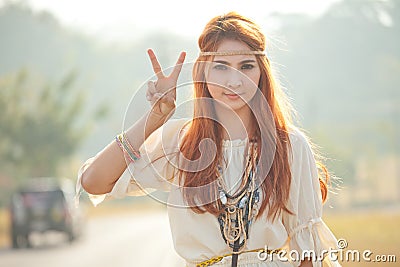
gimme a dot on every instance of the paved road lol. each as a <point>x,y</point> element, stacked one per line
<point>126,241</point>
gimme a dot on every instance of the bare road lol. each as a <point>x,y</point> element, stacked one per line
<point>123,241</point>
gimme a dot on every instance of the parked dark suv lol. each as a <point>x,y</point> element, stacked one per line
<point>44,204</point>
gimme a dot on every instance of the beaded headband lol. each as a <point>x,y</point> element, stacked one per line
<point>233,53</point>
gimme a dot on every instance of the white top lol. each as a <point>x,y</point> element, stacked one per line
<point>197,237</point>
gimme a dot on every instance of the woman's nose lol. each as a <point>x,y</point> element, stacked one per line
<point>235,79</point>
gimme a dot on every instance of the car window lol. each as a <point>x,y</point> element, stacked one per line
<point>42,199</point>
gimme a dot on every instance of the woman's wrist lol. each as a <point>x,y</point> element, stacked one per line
<point>143,128</point>
<point>154,121</point>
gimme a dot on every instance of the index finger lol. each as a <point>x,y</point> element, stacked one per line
<point>156,65</point>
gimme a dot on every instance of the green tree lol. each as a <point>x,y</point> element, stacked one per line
<point>40,125</point>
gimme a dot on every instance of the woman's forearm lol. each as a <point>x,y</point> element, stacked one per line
<point>101,175</point>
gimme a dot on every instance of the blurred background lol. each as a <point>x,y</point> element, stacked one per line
<point>69,68</point>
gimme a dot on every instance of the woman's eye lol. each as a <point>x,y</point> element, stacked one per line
<point>220,67</point>
<point>247,67</point>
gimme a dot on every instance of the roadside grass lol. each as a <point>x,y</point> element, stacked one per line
<point>375,231</point>
<point>4,226</point>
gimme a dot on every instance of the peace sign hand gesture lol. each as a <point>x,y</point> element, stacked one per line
<point>162,93</point>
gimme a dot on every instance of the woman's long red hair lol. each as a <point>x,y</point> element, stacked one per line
<point>267,129</point>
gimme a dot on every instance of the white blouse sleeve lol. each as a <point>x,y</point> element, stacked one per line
<point>306,229</point>
<point>155,170</point>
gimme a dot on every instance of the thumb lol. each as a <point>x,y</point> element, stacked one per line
<point>167,104</point>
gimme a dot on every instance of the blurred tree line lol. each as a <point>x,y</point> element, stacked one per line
<point>37,125</point>
<point>40,127</point>
<point>342,70</point>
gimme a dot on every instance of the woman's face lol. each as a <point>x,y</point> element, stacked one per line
<point>233,80</point>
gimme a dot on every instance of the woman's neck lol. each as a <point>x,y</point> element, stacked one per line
<point>236,124</point>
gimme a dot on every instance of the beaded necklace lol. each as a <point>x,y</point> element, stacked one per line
<point>239,210</point>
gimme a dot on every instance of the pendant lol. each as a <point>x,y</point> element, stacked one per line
<point>222,197</point>
<point>243,202</point>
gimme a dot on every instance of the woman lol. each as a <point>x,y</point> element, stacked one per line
<point>242,180</point>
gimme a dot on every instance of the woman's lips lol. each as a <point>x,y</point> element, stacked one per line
<point>232,96</point>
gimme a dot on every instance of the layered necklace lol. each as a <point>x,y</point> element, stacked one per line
<point>240,209</point>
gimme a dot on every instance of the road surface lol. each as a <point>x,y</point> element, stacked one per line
<point>123,241</point>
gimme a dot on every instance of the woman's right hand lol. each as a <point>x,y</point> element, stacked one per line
<point>162,93</point>
<point>109,164</point>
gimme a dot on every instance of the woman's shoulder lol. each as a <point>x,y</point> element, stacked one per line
<point>298,139</point>
<point>176,124</point>
<point>167,137</point>
<point>173,130</point>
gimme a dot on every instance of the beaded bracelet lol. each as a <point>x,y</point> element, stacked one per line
<point>127,151</point>
<point>136,153</point>
<point>127,148</point>
<point>126,155</point>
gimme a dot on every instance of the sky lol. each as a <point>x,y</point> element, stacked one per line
<point>122,19</point>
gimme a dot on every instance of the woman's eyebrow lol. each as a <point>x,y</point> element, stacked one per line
<point>241,62</point>
<point>247,61</point>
